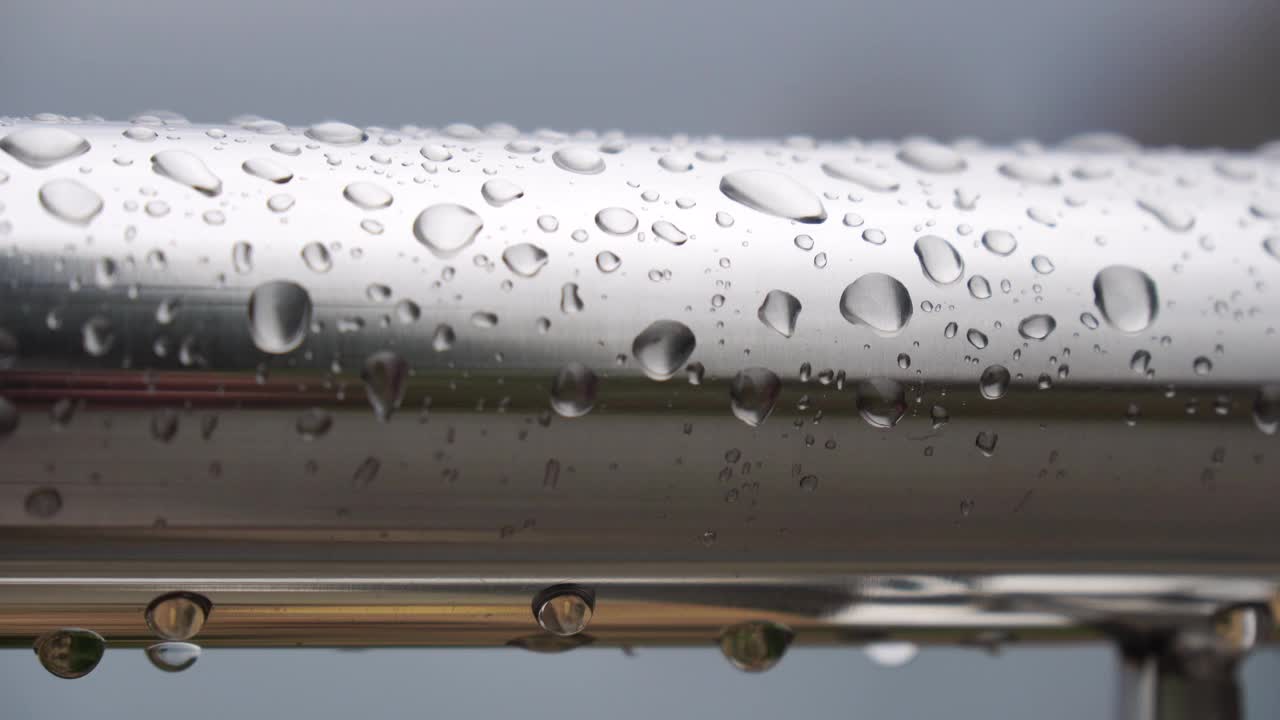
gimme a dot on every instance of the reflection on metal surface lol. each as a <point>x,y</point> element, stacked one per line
<point>370,386</point>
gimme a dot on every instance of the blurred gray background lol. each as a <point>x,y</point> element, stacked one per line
<point>1162,71</point>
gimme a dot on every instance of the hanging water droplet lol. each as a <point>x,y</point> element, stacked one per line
<point>42,147</point>
<point>267,169</point>
<point>939,260</point>
<point>367,195</point>
<point>1126,297</point>
<point>669,232</point>
<point>581,160</point>
<point>563,611</point>
<point>498,192</point>
<point>70,201</point>
<point>774,194</point>
<point>385,376</point>
<point>779,312</point>
<point>929,156</point>
<point>446,228</point>
<point>1000,242</point>
<point>994,382</point>
<point>617,221</point>
<point>891,653</point>
<point>70,653</point>
<point>861,174</point>
<point>1173,218</point>
<point>1037,327</point>
<point>336,133</point>
<point>663,348</point>
<point>881,402</point>
<point>752,395</point>
<point>178,615</point>
<point>755,646</point>
<point>279,314</point>
<point>186,169</point>
<point>525,259</point>
<point>878,301</point>
<point>573,391</point>
<point>173,656</point>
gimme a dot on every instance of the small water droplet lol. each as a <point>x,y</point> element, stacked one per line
<point>881,402</point>
<point>1202,365</point>
<point>98,335</point>
<point>774,194</point>
<point>446,228</point>
<point>891,653</point>
<point>173,656</point>
<point>779,312</point>
<point>186,169</point>
<point>316,256</point>
<point>994,382</point>
<point>577,159</point>
<point>267,169</point>
<point>573,391</point>
<point>861,174</point>
<point>1266,409</point>
<point>279,314</point>
<point>931,157</point>
<point>385,377</point>
<point>43,503</point>
<point>498,192</point>
<point>1126,297</point>
<point>755,646</point>
<point>570,300</point>
<point>1037,327</point>
<point>1173,218</point>
<point>617,221</point>
<point>878,301</point>
<point>1000,242</point>
<point>608,261</point>
<point>367,195</point>
<point>178,615</point>
<point>336,133</point>
<point>753,393</point>
<point>525,259</point>
<point>563,611</point>
<point>986,442</point>
<point>979,288</point>
<point>669,232</point>
<point>313,423</point>
<point>939,260</point>
<point>70,200</point>
<point>662,348</point>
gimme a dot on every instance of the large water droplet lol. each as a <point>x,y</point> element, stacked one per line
<point>617,221</point>
<point>773,193</point>
<point>779,312</point>
<point>994,382</point>
<point>881,402</point>
<point>187,169</point>
<point>573,391</point>
<point>70,652</point>
<point>563,611</point>
<point>336,133</point>
<point>70,200</point>
<point>1127,297</point>
<point>267,169</point>
<point>1037,327</point>
<point>861,174</point>
<point>498,192</point>
<point>755,646</point>
<point>525,259</point>
<point>279,313</point>
<point>385,376</point>
<point>367,195</point>
<point>42,147</point>
<point>878,301</point>
<point>447,228</point>
<point>581,160</point>
<point>663,348</point>
<point>931,157</point>
<point>178,615</point>
<point>173,656</point>
<point>752,395</point>
<point>939,260</point>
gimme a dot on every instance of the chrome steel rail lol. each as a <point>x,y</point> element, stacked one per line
<point>350,386</point>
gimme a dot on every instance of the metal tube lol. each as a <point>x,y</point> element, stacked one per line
<point>384,387</point>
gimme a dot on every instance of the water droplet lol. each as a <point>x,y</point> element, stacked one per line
<point>336,133</point>
<point>976,338</point>
<point>809,483</point>
<point>173,656</point>
<point>185,168</point>
<point>617,221</point>
<point>979,288</point>
<point>267,169</point>
<point>70,200</point>
<point>878,301</point>
<point>938,416</point>
<point>1000,242</point>
<point>570,300</point>
<point>164,425</point>
<point>861,174</point>
<point>242,257</point>
<point>939,260</point>
<point>98,335</point>
<point>994,382</point>
<point>929,156</point>
<point>525,259</point>
<point>42,503</point>
<point>773,193</point>
<point>279,313</point>
<point>313,423</point>
<point>675,162</point>
<point>385,377</point>
<point>986,442</point>
<point>1140,363</point>
<point>573,392</point>
<point>1042,264</point>
<point>1126,297</point>
<point>70,653</point>
<point>663,348</point>
<point>178,615</point>
<point>1266,409</point>
<point>890,653</point>
<point>755,646</point>
<point>779,312</point>
<point>1029,171</point>
<point>608,262</point>
<point>1037,327</point>
<point>563,610</point>
<point>1272,245</point>
<point>436,153</point>
<point>752,395</point>
<point>881,402</point>
<point>581,160</point>
<point>498,192</point>
<point>873,236</point>
<point>280,203</point>
<point>317,258</point>
<point>443,338</point>
<point>1173,218</point>
<point>42,147</point>
<point>669,232</point>
<point>1202,365</point>
<point>367,195</point>
<point>446,228</point>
